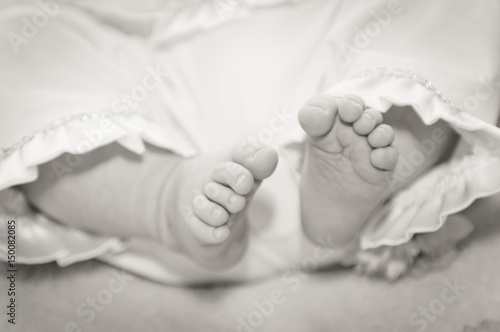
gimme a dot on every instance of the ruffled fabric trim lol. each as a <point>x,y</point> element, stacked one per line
<point>424,252</point>
<point>79,134</point>
<point>450,188</point>
<point>425,206</point>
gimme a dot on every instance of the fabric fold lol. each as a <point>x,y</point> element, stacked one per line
<point>446,189</point>
<point>38,240</point>
<point>78,135</point>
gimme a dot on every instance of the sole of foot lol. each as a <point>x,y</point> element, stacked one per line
<point>348,167</point>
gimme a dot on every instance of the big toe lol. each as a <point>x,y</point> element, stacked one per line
<point>261,162</point>
<point>317,115</point>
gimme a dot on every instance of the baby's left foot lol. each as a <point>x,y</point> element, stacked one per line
<point>208,218</point>
<point>347,169</point>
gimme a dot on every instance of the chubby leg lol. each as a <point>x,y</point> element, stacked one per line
<point>195,205</point>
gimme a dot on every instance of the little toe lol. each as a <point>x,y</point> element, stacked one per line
<point>381,136</point>
<point>385,158</point>
<point>350,108</point>
<point>318,114</point>
<point>368,121</point>
<point>201,231</point>
<point>225,197</point>
<point>209,212</point>
<point>235,176</point>
<point>261,162</point>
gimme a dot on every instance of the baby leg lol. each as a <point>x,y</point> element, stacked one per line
<point>350,167</point>
<point>196,205</point>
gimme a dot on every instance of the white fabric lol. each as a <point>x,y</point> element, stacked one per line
<point>251,65</point>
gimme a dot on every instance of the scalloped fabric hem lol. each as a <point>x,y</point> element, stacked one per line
<point>447,189</point>
<point>81,135</point>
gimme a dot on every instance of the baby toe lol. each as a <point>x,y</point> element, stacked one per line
<point>385,158</point>
<point>209,212</point>
<point>350,108</point>
<point>225,197</point>
<point>201,231</point>
<point>318,114</point>
<point>260,162</point>
<point>381,136</point>
<point>368,121</point>
<point>235,176</point>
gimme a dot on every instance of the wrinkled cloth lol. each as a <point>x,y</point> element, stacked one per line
<point>196,76</point>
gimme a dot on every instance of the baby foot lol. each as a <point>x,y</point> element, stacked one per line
<point>347,169</point>
<point>209,222</point>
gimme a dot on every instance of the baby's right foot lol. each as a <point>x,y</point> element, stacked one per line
<point>347,168</point>
<point>208,220</point>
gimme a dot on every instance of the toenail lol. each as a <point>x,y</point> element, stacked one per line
<point>216,212</point>
<point>200,202</point>
<point>354,103</point>
<point>233,199</point>
<point>224,176</point>
<point>368,116</point>
<point>212,189</point>
<point>231,167</point>
<point>218,232</point>
<point>240,179</point>
<point>383,129</point>
<point>247,147</point>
